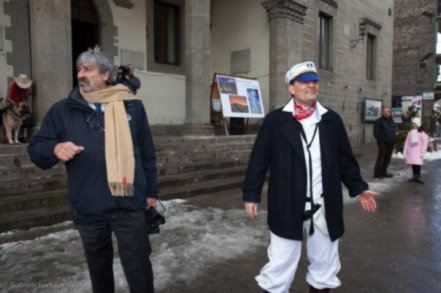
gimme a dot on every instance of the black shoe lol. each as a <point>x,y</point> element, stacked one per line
<point>388,175</point>
<point>378,177</point>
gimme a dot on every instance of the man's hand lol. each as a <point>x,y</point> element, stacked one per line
<point>66,151</point>
<point>251,209</point>
<point>151,202</point>
<point>367,200</point>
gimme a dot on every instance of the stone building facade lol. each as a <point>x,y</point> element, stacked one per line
<point>414,70</point>
<point>350,41</point>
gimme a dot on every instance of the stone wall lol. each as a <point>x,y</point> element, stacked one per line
<point>345,86</point>
<point>414,45</point>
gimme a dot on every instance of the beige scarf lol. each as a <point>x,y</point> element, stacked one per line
<point>120,161</point>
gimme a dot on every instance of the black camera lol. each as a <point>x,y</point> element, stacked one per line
<point>124,69</point>
<point>309,213</point>
<point>153,219</point>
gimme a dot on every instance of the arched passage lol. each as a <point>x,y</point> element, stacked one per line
<point>85,29</point>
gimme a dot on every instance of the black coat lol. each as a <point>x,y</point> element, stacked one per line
<point>384,130</point>
<point>72,119</point>
<point>279,147</point>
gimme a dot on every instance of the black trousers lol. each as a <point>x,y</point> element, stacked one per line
<point>134,249</point>
<point>416,169</point>
<point>385,151</point>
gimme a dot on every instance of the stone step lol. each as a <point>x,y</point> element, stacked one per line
<point>43,216</point>
<point>209,187</point>
<point>188,179</point>
<point>13,149</point>
<point>174,141</point>
<point>180,168</point>
<point>173,158</point>
<point>14,161</point>
<point>35,232</point>
<point>34,218</point>
<point>30,172</point>
<point>32,201</point>
<point>31,185</point>
<point>202,148</point>
<point>30,197</point>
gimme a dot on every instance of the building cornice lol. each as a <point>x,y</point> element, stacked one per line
<point>331,3</point>
<point>372,23</point>
<point>285,9</point>
<point>124,3</point>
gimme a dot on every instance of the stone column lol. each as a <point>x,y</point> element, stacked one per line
<point>51,47</point>
<point>286,45</point>
<point>197,69</point>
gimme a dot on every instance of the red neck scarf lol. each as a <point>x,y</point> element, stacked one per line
<point>302,113</point>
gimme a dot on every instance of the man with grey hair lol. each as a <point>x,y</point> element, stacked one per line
<point>102,134</point>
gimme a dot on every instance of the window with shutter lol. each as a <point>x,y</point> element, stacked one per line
<point>324,41</point>
<point>370,60</point>
<point>166,36</point>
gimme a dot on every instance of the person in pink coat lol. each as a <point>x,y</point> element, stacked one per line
<point>415,148</point>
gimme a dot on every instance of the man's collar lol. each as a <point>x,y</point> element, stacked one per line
<point>319,110</point>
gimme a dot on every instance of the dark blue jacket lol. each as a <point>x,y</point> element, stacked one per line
<point>278,146</point>
<point>72,119</point>
<point>134,84</point>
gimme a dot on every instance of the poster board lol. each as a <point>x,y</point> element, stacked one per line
<point>407,101</point>
<point>372,109</point>
<point>239,96</point>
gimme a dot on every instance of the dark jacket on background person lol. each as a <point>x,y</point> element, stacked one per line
<point>72,119</point>
<point>384,130</point>
<point>279,147</point>
<point>134,84</point>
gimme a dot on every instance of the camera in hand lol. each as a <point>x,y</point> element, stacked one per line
<point>153,219</point>
<point>124,69</point>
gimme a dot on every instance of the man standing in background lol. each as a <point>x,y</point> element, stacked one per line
<point>384,133</point>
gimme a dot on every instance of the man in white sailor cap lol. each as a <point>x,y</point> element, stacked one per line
<point>306,148</point>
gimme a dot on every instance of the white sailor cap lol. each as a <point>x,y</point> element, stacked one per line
<point>302,72</point>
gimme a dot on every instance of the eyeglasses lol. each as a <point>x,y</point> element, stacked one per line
<point>95,124</point>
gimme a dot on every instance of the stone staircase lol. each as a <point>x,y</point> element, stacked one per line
<point>30,197</point>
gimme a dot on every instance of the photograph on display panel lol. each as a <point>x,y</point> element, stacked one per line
<point>240,97</point>
<point>372,110</point>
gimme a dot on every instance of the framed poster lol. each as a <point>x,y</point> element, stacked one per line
<point>372,110</point>
<point>240,97</point>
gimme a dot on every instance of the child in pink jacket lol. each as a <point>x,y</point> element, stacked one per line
<point>415,149</point>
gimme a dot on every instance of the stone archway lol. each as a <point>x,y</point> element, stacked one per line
<point>85,29</point>
<point>92,24</point>
<point>51,43</point>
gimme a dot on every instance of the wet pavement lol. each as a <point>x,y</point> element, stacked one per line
<point>209,246</point>
<point>395,250</point>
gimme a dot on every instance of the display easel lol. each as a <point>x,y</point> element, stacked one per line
<point>218,116</point>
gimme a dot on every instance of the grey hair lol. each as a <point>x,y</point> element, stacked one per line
<point>96,57</point>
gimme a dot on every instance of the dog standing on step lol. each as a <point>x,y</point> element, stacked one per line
<point>13,117</point>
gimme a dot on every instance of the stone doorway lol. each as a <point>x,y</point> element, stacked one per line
<point>85,30</point>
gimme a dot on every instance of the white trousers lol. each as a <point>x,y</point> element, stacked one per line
<point>284,254</point>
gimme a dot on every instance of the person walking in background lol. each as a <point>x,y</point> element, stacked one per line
<point>102,134</point>
<point>308,152</point>
<point>415,148</point>
<point>384,133</point>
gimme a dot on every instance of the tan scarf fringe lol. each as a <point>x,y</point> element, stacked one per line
<point>120,160</point>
